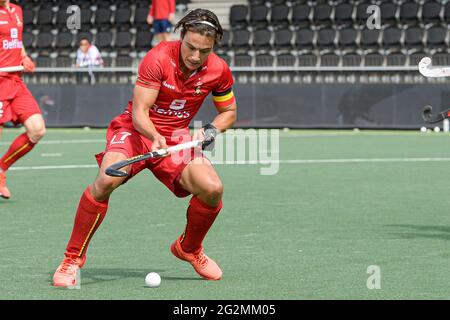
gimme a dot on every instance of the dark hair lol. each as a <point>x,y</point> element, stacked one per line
<point>85,38</point>
<point>201,21</point>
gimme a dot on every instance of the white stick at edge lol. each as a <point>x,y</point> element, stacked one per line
<point>182,146</point>
<point>428,71</point>
<point>11,69</point>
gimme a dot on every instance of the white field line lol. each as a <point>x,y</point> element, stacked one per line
<point>51,154</point>
<point>63,141</point>
<point>262,162</point>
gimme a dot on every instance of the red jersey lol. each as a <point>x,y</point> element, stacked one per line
<point>180,99</point>
<point>11,27</point>
<point>160,9</point>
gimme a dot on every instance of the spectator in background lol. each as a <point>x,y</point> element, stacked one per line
<point>88,55</point>
<point>161,15</point>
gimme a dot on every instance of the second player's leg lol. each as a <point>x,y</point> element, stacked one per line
<point>35,127</point>
<point>90,213</point>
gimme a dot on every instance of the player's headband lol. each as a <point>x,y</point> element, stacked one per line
<point>203,22</point>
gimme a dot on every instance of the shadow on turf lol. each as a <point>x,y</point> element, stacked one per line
<point>99,275</point>
<point>410,231</point>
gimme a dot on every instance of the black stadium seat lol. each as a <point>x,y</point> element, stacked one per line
<point>326,38</point>
<point>431,12</point>
<point>63,42</point>
<point>238,16</point>
<point>261,39</point>
<point>28,16</point>
<point>409,13</point>
<point>140,18</point>
<point>264,60</point>
<point>28,39</point>
<point>123,42</point>
<point>122,18</point>
<point>301,15</point>
<point>103,40</point>
<point>258,16</point>
<point>286,60</point>
<point>44,40</point>
<point>44,19</point>
<point>241,40</point>
<point>347,39</point>
<point>343,15</point>
<point>388,13</point>
<point>361,14</point>
<point>143,40</point>
<point>224,44</point>
<point>373,59</point>
<point>396,59</point>
<point>436,38</point>
<point>307,60</point>
<point>391,38</point>
<point>64,62</point>
<point>369,39</point>
<point>351,59</point>
<point>279,15</point>
<point>414,38</point>
<point>103,18</point>
<point>322,14</point>
<point>447,13</point>
<point>304,39</point>
<point>242,60</point>
<point>283,40</point>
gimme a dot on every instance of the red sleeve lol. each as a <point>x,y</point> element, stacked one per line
<point>226,79</point>
<point>150,71</point>
<point>172,6</point>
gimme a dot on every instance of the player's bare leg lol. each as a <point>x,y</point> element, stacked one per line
<point>35,127</point>
<point>200,179</point>
<point>90,213</point>
<point>35,130</point>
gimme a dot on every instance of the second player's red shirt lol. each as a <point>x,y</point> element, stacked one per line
<point>179,100</point>
<point>160,9</point>
<point>11,27</point>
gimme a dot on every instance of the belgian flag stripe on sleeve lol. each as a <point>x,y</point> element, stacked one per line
<point>223,99</point>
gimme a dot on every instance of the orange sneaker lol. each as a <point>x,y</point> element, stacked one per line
<point>68,273</point>
<point>206,267</point>
<point>4,192</point>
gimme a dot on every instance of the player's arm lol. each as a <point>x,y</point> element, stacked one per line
<point>171,10</point>
<point>150,15</point>
<point>27,63</point>
<point>227,114</point>
<point>143,100</point>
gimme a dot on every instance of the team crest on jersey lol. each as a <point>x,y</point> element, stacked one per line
<point>198,89</point>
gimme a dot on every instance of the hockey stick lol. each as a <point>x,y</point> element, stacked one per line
<point>434,118</point>
<point>427,70</point>
<point>12,69</point>
<point>114,169</point>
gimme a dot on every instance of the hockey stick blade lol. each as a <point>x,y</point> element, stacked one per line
<point>429,117</point>
<point>427,70</point>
